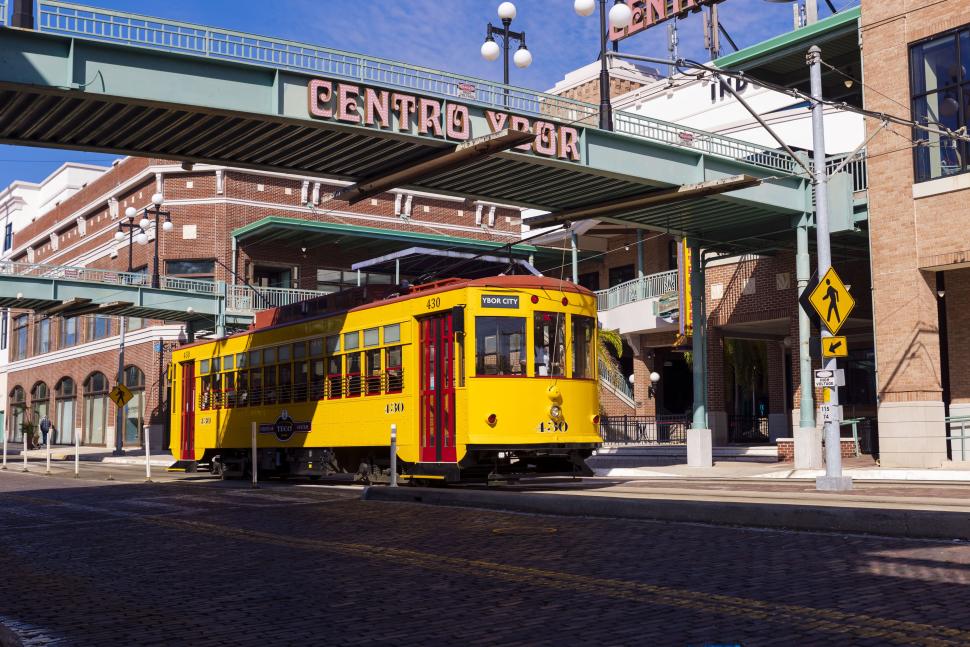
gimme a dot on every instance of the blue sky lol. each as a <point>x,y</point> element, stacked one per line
<point>443,34</point>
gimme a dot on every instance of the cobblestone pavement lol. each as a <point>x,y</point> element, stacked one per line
<point>203,562</point>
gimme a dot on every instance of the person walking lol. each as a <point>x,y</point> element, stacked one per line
<point>45,428</point>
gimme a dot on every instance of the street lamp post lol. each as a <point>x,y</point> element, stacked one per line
<point>490,49</point>
<point>619,17</point>
<point>156,211</point>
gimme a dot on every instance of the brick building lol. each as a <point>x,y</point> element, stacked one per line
<point>273,231</point>
<point>916,59</point>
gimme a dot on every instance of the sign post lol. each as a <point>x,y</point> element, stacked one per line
<point>393,455</point>
<point>255,431</point>
<point>4,431</point>
<point>833,313</point>
<point>47,471</point>
<point>77,454</point>
<point>148,456</point>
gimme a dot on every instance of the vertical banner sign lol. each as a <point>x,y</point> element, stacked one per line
<point>683,279</point>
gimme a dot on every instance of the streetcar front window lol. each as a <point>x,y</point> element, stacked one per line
<point>583,330</point>
<point>550,344</point>
<point>500,346</point>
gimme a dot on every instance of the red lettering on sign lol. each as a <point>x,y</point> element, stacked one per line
<point>458,125</point>
<point>404,105</point>
<point>377,108</point>
<point>429,118</point>
<point>496,120</point>
<point>569,143</point>
<point>347,103</point>
<point>545,141</point>
<point>320,93</point>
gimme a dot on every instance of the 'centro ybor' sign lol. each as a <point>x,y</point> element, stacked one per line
<point>647,13</point>
<point>408,113</point>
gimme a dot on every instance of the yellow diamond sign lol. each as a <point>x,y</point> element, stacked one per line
<point>832,301</point>
<point>120,395</point>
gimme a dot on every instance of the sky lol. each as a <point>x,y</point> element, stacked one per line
<point>441,34</point>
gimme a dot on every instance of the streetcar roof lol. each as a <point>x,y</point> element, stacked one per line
<point>521,282</point>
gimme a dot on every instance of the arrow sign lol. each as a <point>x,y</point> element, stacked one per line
<point>835,347</point>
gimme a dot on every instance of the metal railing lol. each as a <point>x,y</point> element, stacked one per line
<point>77,20</point>
<point>648,287</point>
<point>615,379</point>
<point>238,297</point>
<point>962,425</point>
<point>644,430</point>
<point>747,429</point>
<point>80,21</point>
<point>3,13</point>
<point>700,140</point>
<point>857,168</point>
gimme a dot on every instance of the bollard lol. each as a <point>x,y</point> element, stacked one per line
<point>148,456</point>
<point>77,454</point>
<point>4,466</point>
<point>255,428</point>
<point>393,455</point>
<point>48,470</point>
<point>25,453</point>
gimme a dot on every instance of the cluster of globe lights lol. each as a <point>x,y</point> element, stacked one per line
<point>142,236</point>
<point>490,49</point>
<point>620,13</point>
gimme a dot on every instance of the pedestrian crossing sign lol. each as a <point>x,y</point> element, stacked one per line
<point>832,301</point>
<point>120,395</point>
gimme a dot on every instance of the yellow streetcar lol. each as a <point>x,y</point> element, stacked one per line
<point>483,378</point>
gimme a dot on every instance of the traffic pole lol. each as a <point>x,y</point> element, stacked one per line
<point>833,479</point>
<point>393,455</point>
<point>255,430</point>
<point>148,456</point>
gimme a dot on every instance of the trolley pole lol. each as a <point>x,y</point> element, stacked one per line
<point>255,430</point>
<point>393,455</point>
<point>148,456</point>
<point>833,479</point>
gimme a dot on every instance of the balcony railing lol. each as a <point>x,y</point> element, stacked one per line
<point>80,21</point>
<point>615,379</point>
<point>3,13</point>
<point>648,287</point>
<point>856,168</point>
<point>242,297</point>
<point>644,430</point>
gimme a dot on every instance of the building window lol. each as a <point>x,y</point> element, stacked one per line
<point>42,337</point>
<point>64,399</point>
<point>4,317</point>
<point>95,408</point>
<point>672,253</point>
<point>68,332</point>
<point>203,270</point>
<point>590,280</point>
<point>8,236</point>
<point>940,87</point>
<point>99,327</point>
<point>18,413</point>
<point>40,400</point>
<point>20,337</point>
<point>622,274</point>
<point>335,280</point>
<point>135,409</point>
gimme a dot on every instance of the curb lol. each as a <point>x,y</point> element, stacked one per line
<point>922,524</point>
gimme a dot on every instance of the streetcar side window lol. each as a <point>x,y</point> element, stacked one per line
<point>353,375</point>
<point>584,329</point>
<point>255,386</point>
<point>500,346</point>
<point>300,381</point>
<point>372,337</point>
<point>299,350</point>
<point>205,393</point>
<point>269,382</point>
<point>372,363</point>
<point>550,343</point>
<point>334,377</point>
<point>316,347</point>
<point>351,340</point>
<point>285,382</point>
<point>242,388</point>
<point>395,372</point>
<point>229,389</point>
<point>392,333</point>
<point>333,344</point>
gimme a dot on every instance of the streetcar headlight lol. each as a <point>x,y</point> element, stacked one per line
<point>555,411</point>
<point>596,419</point>
<point>491,420</point>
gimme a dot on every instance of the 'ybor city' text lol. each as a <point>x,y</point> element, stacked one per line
<point>408,113</point>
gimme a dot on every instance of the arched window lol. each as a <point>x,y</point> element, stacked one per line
<point>135,409</point>
<point>95,408</point>
<point>40,403</point>
<point>65,394</point>
<point>18,413</point>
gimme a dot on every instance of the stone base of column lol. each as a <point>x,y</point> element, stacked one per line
<point>777,426</point>
<point>808,448</point>
<point>700,451</point>
<point>833,483</point>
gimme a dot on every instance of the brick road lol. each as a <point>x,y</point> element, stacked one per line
<point>211,563</point>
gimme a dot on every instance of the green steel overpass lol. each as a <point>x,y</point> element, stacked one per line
<point>93,79</point>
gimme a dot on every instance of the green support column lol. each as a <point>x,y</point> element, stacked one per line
<point>699,338</point>
<point>803,271</point>
<point>222,297</point>
<point>574,243</point>
<point>640,273</point>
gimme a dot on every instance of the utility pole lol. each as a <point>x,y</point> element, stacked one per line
<point>833,479</point>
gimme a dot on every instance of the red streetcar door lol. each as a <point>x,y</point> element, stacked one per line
<point>438,389</point>
<point>188,411</point>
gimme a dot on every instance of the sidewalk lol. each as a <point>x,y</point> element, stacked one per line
<point>161,458</point>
